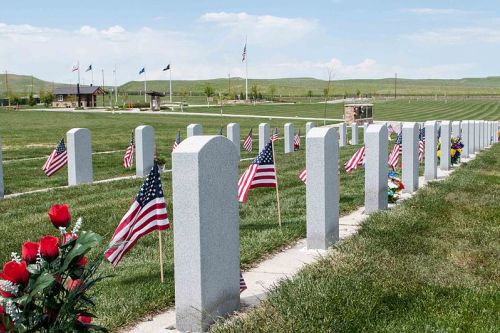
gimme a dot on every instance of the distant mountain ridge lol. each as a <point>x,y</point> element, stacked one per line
<point>21,85</point>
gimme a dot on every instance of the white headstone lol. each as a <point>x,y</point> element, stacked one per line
<point>354,134</point>
<point>455,129</point>
<point>445,158</point>
<point>194,129</point>
<point>477,136</point>
<point>322,190</point>
<point>482,135</point>
<point>410,161</point>
<point>472,136</point>
<point>309,125</point>
<point>430,171</point>
<point>365,128</point>
<point>233,134</point>
<point>465,138</point>
<point>206,233</point>
<point>376,156</point>
<point>264,135</point>
<point>342,134</point>
<point>289,133</point>
<point>495,131</point>
<point>144,150</point>
<point>79,150</point>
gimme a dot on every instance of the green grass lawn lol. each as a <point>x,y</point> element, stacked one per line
<point>429,265</point>
<point>135,291</point>
<point>401,110</point>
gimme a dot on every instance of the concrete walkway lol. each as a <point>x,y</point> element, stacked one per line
<point>261,279</point>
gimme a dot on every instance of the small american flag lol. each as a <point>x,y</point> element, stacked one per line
<point>396,151</point>
<point>128,158</point>
<point>220,131</point>
<point>356,160</point>
<point>275,135</point>
<point>296,141</point>
<point>177,141</point>
<point>303,176</point>
<point>243,285</point>
<point>248,142</point>
<point>261,173</point>
<point>244,55</point>
<point>421,144</point>
<point>147,213</point>
<point>57,159</point>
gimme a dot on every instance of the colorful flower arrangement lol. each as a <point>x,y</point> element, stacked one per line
<point>45,289</point>
<point>455,150</point>
<point>394,186</point>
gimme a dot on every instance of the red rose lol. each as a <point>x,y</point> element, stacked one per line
<point>84,319</point>
<point>59,215</point>
<point>15,272</point>
<point>29,252</point>
<point>49,247</point>
<point>82,262</point>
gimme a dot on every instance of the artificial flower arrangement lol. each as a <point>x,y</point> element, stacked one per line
<point>455,150</point>
<point>45,289</point>
<point>394,186</point>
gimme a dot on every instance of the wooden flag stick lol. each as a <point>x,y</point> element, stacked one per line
<point>277,189</point>
<point>161,256</point>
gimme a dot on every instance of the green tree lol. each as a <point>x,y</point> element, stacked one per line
<point>358,93</point>
<point>272,91</point>
<point>209,91</point>
<point>255,91</point>
<point>46,98</point>
<point>310,95</point>
<point>31,100</point>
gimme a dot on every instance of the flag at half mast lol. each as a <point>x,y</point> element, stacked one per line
<point>147,213</point>
<point>261,173</point>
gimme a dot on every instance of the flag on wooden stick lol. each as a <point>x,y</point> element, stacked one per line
<point>397,149</point>
<point>356,160</point>
<point>303,176</point>
<point>147,213</point>
<point>177,141</point>
<point>243,285</point>
<point>275,135</point>
<point>57,159</point>
<point>296,141</point>
<point>248,142</point>
<point>128,158</point>
<point>421,144</point>
<point>261,173</point>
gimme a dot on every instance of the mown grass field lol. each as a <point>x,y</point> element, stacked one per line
<point>429,265</point>
<point>401,110</point>
<point>135,291</point>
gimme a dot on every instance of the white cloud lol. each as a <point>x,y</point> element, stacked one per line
<point>263,30</point>
<point>455,36</point>
<point>437,11</point>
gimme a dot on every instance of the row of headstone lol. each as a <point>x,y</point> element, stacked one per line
<point>205,175</point>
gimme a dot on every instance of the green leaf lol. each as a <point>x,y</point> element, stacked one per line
<point>86,241</point>
<point>42,282</point>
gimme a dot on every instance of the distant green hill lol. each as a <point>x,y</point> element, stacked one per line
<point>301,86</point>
<point>21,85</point>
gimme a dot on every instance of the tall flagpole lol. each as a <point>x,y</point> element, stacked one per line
<point>277,189</point>
<point>116,87</point>
<point>145,86</point>
<point>246,69</point>
<point>92,74</point>
<point>170,73</point>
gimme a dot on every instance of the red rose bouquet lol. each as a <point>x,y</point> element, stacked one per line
<point>45,289</point>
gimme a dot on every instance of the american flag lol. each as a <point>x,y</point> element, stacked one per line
<point>421,144</point>
<point>177,141</point>
<point>147,213</point>
<point>128,158</point>
<point>220,131</point>
<point>243,285</point>
<point>303,176</point>
<point>275,135</point>
<point>296,141</point>
<point>396,151</point>
<point>248,142</point>
<point>244,55</point>
<point>356,160</point>
<point>57,159</point>
<point>261,173</point>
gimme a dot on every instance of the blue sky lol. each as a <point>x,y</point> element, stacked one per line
<point>204,39</point>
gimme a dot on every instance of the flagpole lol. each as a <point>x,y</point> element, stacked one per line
<point>161,256</point>
<point>277,189</point>
<point>92,74</point>
<point>145,86</point>
<point>170,73</point>
<point>246,70</point>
